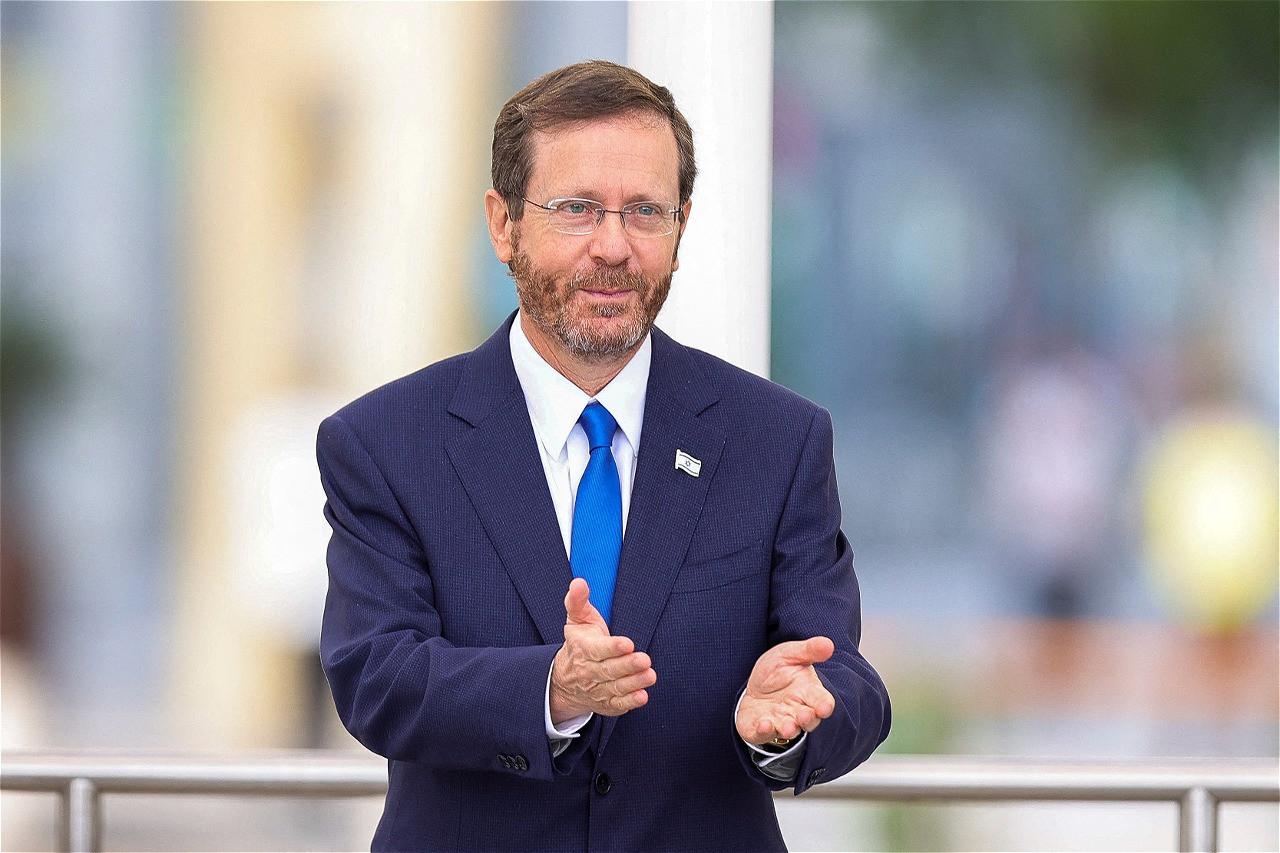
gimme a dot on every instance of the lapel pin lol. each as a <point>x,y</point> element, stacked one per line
<point>687,464</point>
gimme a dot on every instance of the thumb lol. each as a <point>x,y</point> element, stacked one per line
<point>810,651</point>
<point>578,607</point>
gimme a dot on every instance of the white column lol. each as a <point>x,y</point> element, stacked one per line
<point>717,59</point>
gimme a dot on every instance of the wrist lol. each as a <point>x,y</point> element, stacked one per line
<point>769,751</point>
<point>562,710</point>
<point>561,707</point>
<point>779,744</point>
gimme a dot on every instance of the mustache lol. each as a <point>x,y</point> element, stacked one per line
<point>609,278</point>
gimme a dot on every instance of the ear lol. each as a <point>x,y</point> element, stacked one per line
<point>684,221</point>
<point>500,225</point>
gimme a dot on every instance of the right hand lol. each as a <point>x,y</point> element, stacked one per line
<point>594,671</point>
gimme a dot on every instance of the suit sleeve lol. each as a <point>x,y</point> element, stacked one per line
<point>399,687</point>
<point>814,592</point>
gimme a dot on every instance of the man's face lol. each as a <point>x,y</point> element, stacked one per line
<point>593,295</point>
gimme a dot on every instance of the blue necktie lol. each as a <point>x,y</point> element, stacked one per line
<point>596,538</point>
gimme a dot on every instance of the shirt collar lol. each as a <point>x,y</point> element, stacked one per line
<point>555,403</point>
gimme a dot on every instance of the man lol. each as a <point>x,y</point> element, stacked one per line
<point>588,589</point>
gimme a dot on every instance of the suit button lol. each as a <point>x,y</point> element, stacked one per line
<point>521,763</point>
<point>816,775</point>
<point>504,760</point>
<point>602,783</point>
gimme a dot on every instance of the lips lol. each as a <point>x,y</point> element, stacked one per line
<point>604,294</point>
<point>609,283</point>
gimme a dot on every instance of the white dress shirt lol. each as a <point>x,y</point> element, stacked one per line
<point>555,404</point>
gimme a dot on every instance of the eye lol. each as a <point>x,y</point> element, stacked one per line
<point>575,208</point>
<point>645,209</point>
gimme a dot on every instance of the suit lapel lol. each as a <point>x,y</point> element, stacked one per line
<point>500,468</point>
<point>665,502</point>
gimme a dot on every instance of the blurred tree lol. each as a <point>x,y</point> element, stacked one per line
<point>1191,82</point>
<point>31,365</point>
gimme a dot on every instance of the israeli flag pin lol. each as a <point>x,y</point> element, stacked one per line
<point>687,464</point>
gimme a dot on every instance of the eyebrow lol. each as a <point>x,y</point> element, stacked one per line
<point>632,199</point>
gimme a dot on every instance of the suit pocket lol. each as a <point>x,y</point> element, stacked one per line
<point>709,572</point>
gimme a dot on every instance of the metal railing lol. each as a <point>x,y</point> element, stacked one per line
<point>1197,787</point>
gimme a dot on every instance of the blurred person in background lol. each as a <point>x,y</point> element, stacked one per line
<point>538,680</point>
<point>1053,442</point>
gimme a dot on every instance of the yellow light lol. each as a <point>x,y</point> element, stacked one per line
<point>1213,520</point>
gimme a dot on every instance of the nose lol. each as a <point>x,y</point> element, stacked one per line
<point>610,243</point>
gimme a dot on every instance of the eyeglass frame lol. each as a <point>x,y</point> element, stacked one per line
<point>673,213</point>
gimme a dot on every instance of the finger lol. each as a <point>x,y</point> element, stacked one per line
<point>577,598</point>
<point>621,704</point>
<point>626,664</point>
<point>825,705</point>
<point>770,726</point>
<point>779,726</point>
<point>788,654</point>
<point>578,607</point>
<point>806,652</point>
<point>755,728</point>
<point>805,705</point>
<point>817,699</point>
<point>590,643</point>
<point>821,649</point>
<point>786,717</point>
<point>633,683</point>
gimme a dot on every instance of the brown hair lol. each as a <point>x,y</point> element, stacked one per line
<point>589,90</point>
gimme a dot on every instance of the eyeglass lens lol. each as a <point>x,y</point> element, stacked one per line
<point>582,216</point>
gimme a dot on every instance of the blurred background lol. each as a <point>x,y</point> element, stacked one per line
<point>1026,254</point>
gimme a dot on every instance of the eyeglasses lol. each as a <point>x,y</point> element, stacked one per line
<point>583,216</point>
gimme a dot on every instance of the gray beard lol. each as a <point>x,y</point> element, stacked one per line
<point>585,342</point>
<point>538,297</point>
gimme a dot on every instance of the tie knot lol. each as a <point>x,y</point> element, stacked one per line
<point>598,424</point>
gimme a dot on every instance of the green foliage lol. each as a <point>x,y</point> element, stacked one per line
<point>924,723</point>
<point>31,362</point>
<point>1190,81</point>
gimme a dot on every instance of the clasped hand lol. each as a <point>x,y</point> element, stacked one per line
<point>596,672</point>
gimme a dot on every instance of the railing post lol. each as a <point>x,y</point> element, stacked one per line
<point>80,819</point>
<point>1198,822</point>
<point>81,780</point>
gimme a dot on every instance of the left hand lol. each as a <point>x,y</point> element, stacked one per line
<point>784,695</point>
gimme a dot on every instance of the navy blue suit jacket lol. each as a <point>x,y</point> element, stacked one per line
<point>447,581</point>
